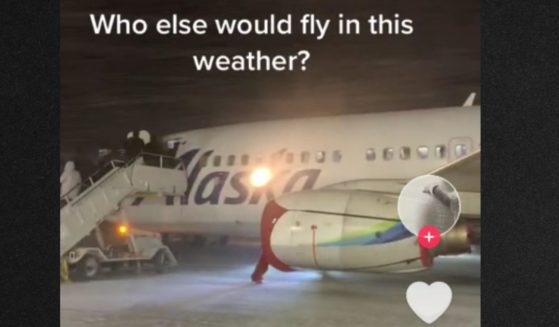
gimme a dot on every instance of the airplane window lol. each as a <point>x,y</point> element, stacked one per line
<point>217,161</point>
<point>320,156</point>
<point>305,156</point>
<point>440,151</point>
<point>337,156</point>
<point>289,157</point>
<point>405,152</point>
<point>371,155</point>
<point>275,157</point>
<point>204,161</point>
<point>388,154</point>
<point>231,160</point>
<point>460,150</point>
<point>422,151</point>
<point>244,159</point>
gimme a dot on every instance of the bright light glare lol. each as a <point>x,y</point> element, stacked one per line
<point>122,229</point>
<point>260,177</point>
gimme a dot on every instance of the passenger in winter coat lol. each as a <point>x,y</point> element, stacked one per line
<point>68,180</point>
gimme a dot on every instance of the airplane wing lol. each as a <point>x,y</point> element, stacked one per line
<point>463,173</point>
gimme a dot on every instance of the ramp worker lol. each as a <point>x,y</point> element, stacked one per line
<point>260,270</point>
<point>64,275</point>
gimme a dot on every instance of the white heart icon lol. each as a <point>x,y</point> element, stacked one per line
<point>429,302</point>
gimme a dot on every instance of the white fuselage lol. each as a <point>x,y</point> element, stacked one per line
<point>221,201</point>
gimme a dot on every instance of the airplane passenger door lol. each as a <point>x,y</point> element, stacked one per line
<point>459,147</point>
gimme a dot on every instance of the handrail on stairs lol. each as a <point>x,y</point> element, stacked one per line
<point>111,167</point>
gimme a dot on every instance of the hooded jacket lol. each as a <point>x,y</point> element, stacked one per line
<point>69,179</point>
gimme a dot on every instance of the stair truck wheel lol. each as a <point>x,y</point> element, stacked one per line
<point>88,268</point>
<point>159,261</point>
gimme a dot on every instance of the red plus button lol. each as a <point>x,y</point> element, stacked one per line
<point>429,237</point>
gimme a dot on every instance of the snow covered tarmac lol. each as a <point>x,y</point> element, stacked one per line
<point>212,288</point>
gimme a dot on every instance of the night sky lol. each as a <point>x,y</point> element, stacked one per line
<point>113,84</point>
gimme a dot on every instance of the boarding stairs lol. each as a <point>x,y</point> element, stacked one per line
<point>101,194</point>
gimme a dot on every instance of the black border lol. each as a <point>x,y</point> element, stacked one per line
<point>29,94</point>
<point>520,168</point>
<point>520,163</point>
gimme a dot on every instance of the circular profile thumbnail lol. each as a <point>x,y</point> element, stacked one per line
<point>429,200</point>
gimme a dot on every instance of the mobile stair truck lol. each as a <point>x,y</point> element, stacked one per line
<point>89,242</point>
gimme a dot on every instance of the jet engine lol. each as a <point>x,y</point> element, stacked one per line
<point>346,230</point>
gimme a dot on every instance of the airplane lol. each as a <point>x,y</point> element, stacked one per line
<point>321,193</point>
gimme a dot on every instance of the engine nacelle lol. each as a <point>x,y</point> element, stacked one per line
<point>339,230</point>
<point>455,241</point>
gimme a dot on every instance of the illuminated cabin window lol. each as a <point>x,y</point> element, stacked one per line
<point>320,156</point>
<point>405,152</point>
<point>422,152</point>
<point>231,160</point>
<point>371,154</point>
<point>460,150</point>
<point>337,156</point>
<point>305,156</point>
<point>217,161</point>
<point>289,157</point>
<point>388,154</point>
<point>440,151</point>
<point>244,159</point>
